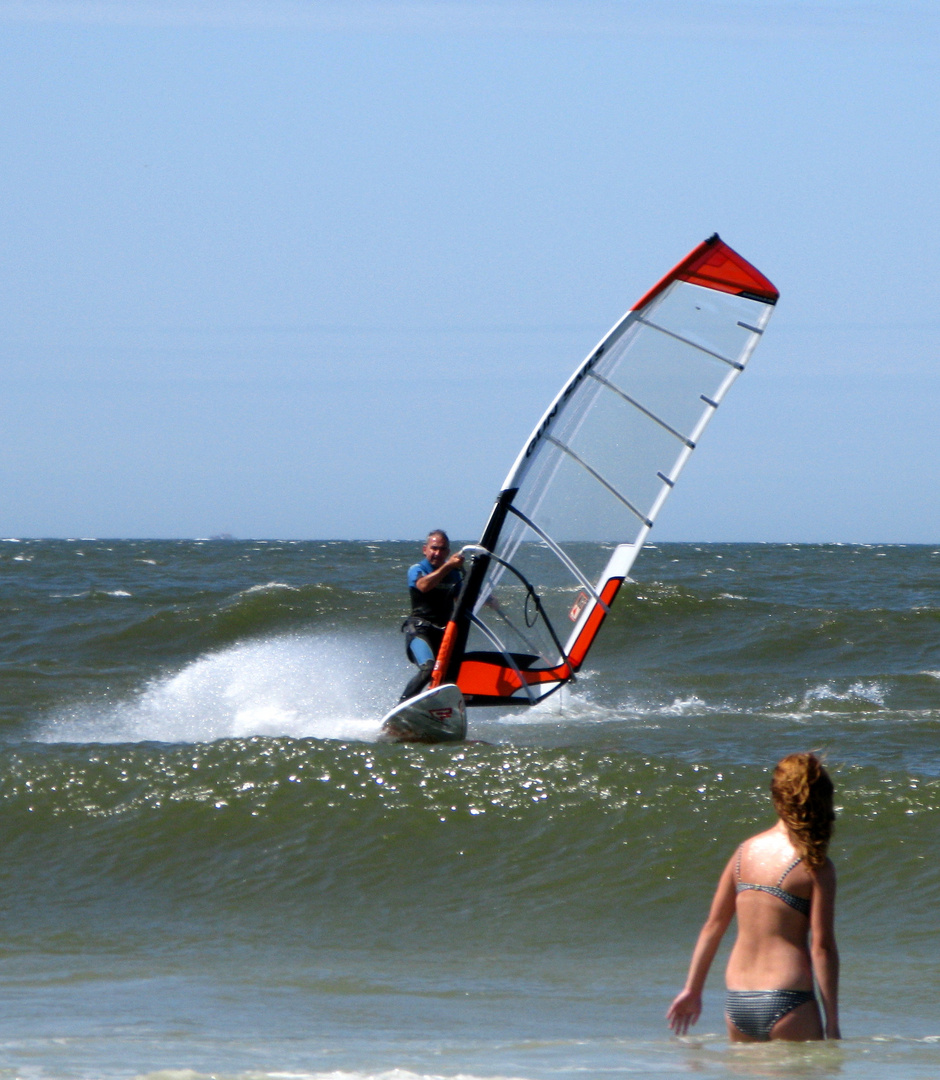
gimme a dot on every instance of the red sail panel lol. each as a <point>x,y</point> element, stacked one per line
<point>585,639</point>
<point>478,679</point>
<point>714,265</point>
<point>497,680</point>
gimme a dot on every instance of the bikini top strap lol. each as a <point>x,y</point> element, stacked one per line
<point>737,864</point>
<point>796,862</point>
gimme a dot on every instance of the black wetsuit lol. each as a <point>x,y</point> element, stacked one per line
<point>430,613</point>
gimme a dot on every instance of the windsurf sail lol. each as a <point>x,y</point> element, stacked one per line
<point>586,488</point>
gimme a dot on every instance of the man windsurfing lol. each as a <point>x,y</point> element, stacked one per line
<point>433,585</point>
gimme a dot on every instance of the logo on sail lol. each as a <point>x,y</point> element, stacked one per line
<point>578,606</point>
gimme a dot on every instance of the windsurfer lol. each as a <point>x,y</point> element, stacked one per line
<point>433,584</point>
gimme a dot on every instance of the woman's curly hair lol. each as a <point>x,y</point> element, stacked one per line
<point>802,794</point>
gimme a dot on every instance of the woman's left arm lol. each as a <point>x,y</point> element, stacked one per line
<point>823,948</point>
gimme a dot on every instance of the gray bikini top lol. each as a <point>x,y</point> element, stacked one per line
<point>798,903</point>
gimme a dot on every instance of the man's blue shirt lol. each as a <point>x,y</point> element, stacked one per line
<point>424,567</point>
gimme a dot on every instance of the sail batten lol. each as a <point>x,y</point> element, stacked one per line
<point>586,488</point>
<point>693,344</point>
<point>648,412</point>
<point>600,479</point>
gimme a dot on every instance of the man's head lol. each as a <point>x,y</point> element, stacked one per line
<point>436,548</point>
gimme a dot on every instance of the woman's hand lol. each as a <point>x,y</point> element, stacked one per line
<point>687,1007</point>
<point>684,1011</point>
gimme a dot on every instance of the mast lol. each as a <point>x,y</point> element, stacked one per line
<point>454,643</point>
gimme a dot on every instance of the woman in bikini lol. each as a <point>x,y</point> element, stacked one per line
<point>782,887</point>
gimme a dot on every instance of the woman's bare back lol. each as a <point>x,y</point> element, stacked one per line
<point>774,889</point>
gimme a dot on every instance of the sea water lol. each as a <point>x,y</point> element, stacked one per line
<point>210,868</point>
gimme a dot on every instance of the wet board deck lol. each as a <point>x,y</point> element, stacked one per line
<point>435,715</point>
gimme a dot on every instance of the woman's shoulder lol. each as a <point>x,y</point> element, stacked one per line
<point>767,852</point>
<point>762,841</point>
<point>824,873</point>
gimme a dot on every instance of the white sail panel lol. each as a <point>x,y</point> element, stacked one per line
<point>587,486</point>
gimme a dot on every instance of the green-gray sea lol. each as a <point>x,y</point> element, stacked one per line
<point>210,868</point>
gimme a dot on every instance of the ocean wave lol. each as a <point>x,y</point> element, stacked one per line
<point>868,693</point>
<point>270,586</point>
<point>304,685</point>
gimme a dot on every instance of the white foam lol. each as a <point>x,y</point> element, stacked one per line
<point>271,586</point>
<point>574,705</point>
<point>302,685</point>
<point>859,691</point>
<point>339,1074</point>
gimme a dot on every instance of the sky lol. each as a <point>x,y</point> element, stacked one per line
<point>309,270</point>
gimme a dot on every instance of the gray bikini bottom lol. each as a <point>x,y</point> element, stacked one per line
<point>754,1012</point>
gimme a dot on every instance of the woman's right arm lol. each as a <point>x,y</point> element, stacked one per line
<point>823,949</point>
<point>687,1006</point>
